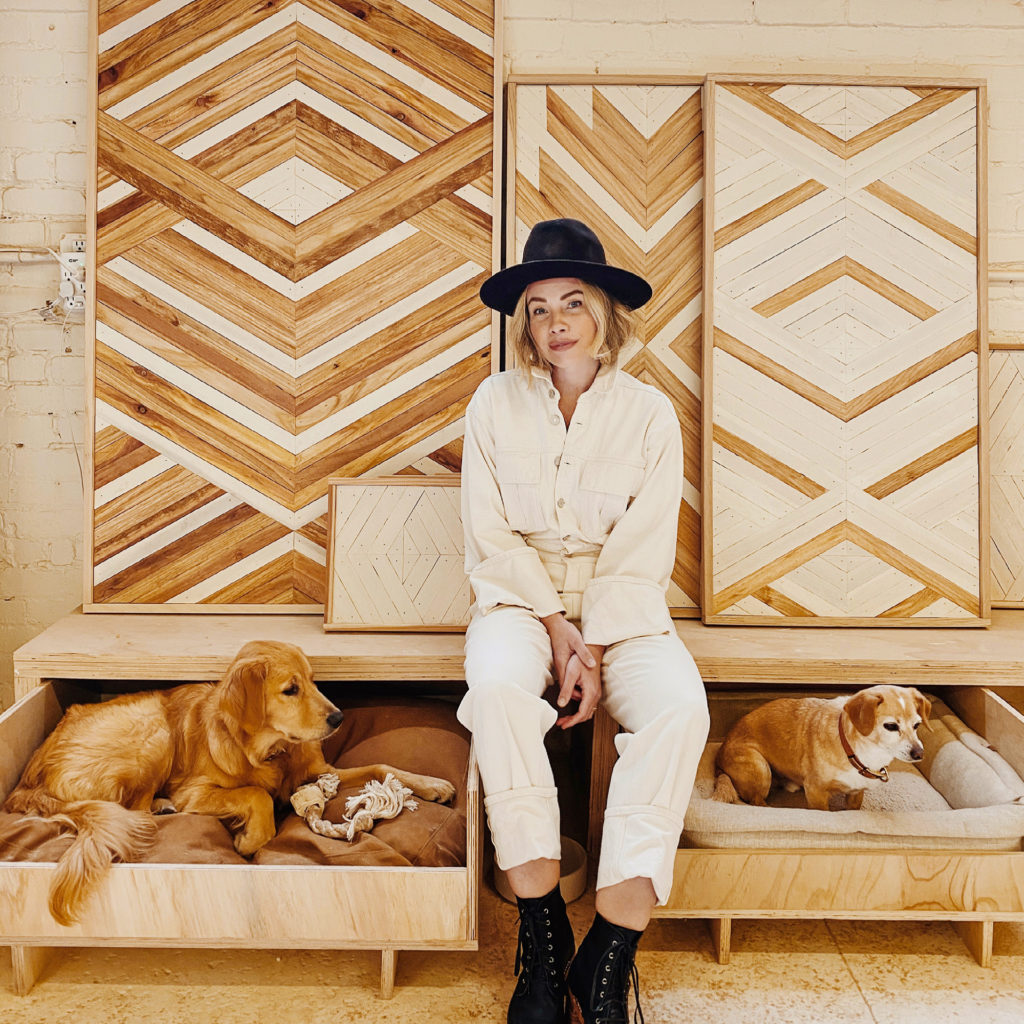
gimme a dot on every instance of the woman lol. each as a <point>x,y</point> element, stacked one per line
<point>571,481</point>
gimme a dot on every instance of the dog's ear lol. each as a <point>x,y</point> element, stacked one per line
<point>923,705</point>
<point>241,693</point>
<point>861,708</point>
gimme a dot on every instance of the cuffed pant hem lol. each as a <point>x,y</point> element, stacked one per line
<point>524,825</point>
<point>640,842</point>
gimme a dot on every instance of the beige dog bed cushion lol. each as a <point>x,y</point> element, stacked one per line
<point>421,736</point>
<point>962,796</point>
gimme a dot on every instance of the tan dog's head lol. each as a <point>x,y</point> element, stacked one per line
<point>889,717</point>
<point>269,688</point>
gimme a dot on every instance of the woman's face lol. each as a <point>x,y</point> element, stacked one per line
<point>560,324</point>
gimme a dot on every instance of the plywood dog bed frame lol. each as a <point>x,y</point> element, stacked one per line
<point>307,906</point>
<point>973,891</point>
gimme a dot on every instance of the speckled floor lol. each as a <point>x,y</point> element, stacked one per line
<point>781,973</point>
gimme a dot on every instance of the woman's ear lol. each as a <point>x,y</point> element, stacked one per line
<point>241,693</point>
<point>861,708</point>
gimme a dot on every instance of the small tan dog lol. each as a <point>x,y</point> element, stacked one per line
<point>230,749</point>
<point>832,749</point>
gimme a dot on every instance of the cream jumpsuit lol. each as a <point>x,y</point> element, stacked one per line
<point>582,519</point>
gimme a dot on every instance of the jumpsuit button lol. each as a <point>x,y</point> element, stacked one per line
<point>551,393</point>
<point>561,502</point>
<point>554,419</point>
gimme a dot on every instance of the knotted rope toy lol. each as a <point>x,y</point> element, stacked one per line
<point>378,801</point>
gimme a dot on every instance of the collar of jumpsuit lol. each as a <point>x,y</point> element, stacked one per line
<point>604,381</point>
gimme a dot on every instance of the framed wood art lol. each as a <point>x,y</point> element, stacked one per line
<point>395,555</point>
<point>845,373</point>
<point>626,156</point>
<point>291,213</point>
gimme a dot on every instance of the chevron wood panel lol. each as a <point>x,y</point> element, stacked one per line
<point>843,482</point>
<point>293,218</point>
<point>1006,448</point>
<point>628,161</point>
<point>396,556</point>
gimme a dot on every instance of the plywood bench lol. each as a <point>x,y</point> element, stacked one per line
<point>81,648</point>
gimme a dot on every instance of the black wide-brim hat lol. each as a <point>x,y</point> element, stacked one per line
<point>562,248</point>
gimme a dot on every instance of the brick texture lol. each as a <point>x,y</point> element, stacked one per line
<point>43,98</point>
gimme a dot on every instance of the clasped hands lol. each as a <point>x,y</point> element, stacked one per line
<point>577,669</point>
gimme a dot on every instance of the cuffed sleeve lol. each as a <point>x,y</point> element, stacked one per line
<point>626,597</point>
<point>502,568</point>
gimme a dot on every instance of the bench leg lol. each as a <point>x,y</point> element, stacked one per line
<point>602,760</point>
<point>721,938</point>
<point>977,936</point>
<point>388,966</point>
<point>28,963</point>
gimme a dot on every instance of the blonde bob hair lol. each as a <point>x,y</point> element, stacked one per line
<point>616,325</point>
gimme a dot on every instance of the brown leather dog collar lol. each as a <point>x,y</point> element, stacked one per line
<point>862,769</point>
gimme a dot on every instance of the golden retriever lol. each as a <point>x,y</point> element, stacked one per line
<point>229,749</point>
<point>832,749</point>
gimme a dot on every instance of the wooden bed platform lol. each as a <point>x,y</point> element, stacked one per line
<point>984,667</point>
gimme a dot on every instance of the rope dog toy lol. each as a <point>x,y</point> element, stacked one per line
<point>377,801</point>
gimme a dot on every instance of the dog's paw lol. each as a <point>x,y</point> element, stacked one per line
<point>439,790</point>
<point>247,843</point>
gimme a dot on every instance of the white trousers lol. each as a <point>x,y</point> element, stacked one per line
<point>651,687</point>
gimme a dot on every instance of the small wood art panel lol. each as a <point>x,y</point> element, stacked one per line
<point>1006,461</point>
<point>396,558</point>
<point>628,160</point>
<point>293,219</point>
<point>844,362</point>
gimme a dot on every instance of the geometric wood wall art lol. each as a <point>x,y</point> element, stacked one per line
<point>396,556</point>
<point>1007,468</point>
<point>845,375</point>
<point>627,159</point>
<point>293,215</point>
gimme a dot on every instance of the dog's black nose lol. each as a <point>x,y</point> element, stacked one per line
<point>916,753</point>
<point>334,719</point>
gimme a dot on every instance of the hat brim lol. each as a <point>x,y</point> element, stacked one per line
<point>501,291</point>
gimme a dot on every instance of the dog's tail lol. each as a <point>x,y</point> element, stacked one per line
<point>725,791</point>
<point>104,832</point>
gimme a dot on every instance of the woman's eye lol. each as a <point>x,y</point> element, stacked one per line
<point>892,726</point>
<point>575,304</point>
<point>291,690</point>
<point>537,311</point>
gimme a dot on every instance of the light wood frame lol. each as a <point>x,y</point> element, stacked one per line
<point>985,603</point>
<point>92,148</point>
<point>338,491</point>
<point>230,905</point>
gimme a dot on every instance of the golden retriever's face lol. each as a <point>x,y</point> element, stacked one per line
<point>269,686</point>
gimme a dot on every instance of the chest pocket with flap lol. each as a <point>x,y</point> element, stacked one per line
<point>606,487</point>
<point>519,482</point>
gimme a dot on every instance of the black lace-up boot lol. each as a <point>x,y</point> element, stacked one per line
<point>600,976</point>
<point>545,948</point>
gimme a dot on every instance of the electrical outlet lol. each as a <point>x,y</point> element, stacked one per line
<point>72,281</point>
<point>72,243</point>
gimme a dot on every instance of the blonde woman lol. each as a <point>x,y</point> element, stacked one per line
<point>571,479</point>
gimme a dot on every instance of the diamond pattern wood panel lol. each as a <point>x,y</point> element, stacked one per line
<point>396,555</point>
<point>294,215</point>
<point>628,161</point>
<point>1007,468</point>
<point>843,429</point>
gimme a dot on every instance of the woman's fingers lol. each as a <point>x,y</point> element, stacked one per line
<point>570,681</point>
<point>581,649</point>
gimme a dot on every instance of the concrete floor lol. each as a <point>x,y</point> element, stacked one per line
<point>781,973</point>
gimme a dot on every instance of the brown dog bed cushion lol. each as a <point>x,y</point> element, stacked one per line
<point>962,796</point>
<point>421,736</point>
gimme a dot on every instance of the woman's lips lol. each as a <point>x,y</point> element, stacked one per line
<point>559,346</point>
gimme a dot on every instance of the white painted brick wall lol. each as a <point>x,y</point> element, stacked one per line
<point>43,97</point>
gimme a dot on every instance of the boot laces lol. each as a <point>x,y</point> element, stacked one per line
<point>535,951</point>
<point>612,987</point>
